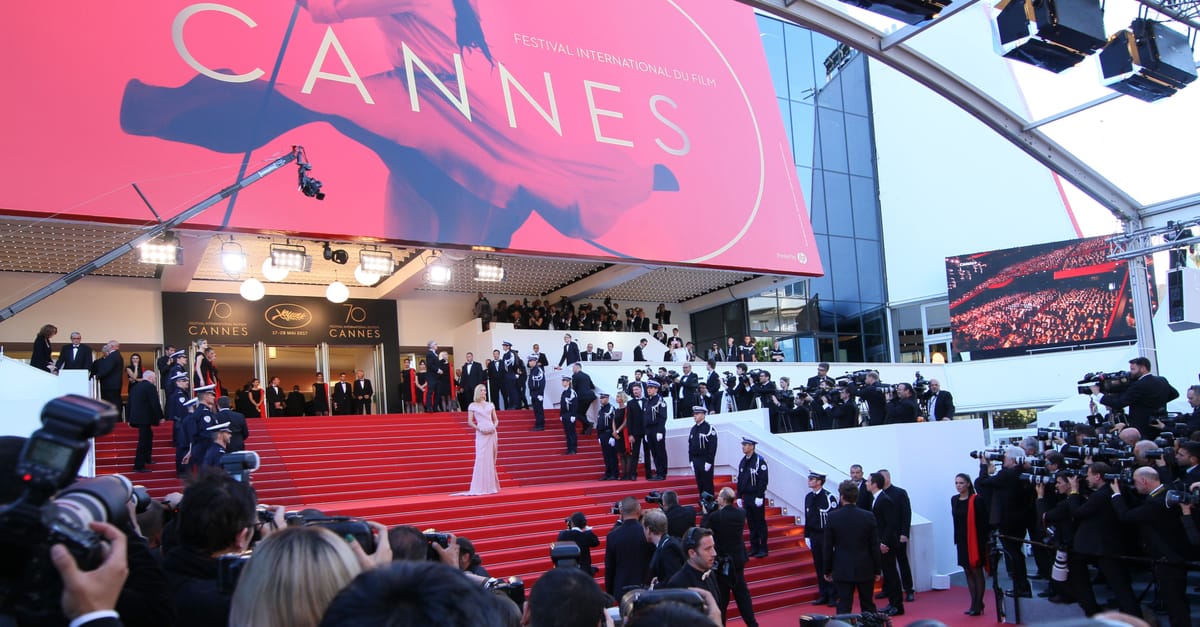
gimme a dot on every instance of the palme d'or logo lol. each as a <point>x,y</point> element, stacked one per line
<point>288,316</point>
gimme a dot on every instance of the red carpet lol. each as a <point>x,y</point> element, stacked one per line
<point>401,469</point>
<point>943,605</point>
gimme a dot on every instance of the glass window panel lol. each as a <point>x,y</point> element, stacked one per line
<point>831,129</point>
<point>764,313</point>
<point>854,86</point>
<point>805,175</point>
<point>870,271</point>
<point>790,311</point>
<point>875,347</point>
<point>830,96</point>
<point>802,133</point>
<point>837,204</point>
<point>816,209</point>
<point>822,46</point>
<point>937,315</point>
<point>844,269</point>
<point>873,323</point>
<point>798,43</point>
<point>827,319</point>
<point>865,204</point>
<point>771,34</point>
<point>785,110</point>
<point>858,145</point>
<point>808,348</point>
<point>821,287</point>
<point>851,345</point>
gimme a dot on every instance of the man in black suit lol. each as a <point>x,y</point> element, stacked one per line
<point>589,354</point>
<point>639,352</point>
<point>109,371</point>
<point>495,379</point>
<point>1146,398</point>
<point>727,524</point>
<point>363,393</point>
<point>433,376</point>
<point>541,357</point>
<point>277,399</point>
<point>821,379</point>
<point>887,521</point>
<point>471,376</point>
<point>668,555</point>
<point>144,412</point>
<point>626,552</point>
<point>1163,538</point>
<point>852,557</point>
<point>570,354</point>
<point>902,408</point>
<point>689,391</point>
<point>904,507</point>
<point>712,381</point>
<point>864,495</point>
<point>874,397</point>
<point>340,395</point>
<point>587,395</point>
<point>581,534</point>
<point>680,518</point>
<point>635,423</point>
<point>1098,539</point>
<point>163,364</point>
<point>74,356</point>
<point>1008,512</point>
<point>239,432</point>
<point>939,403</point>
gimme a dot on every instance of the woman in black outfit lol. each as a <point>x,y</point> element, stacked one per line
<point>970,538</point>
<point>41,349</point>
<point>320,400</point>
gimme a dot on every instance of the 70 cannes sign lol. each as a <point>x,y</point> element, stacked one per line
<point>216,317</point>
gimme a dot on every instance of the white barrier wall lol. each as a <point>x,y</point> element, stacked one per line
<point>26,389</point>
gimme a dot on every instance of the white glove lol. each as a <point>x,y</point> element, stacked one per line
<point>612,442</point>
<point>739,502</point>
<point>828,407</point>
<point>808,543</point>
<point>658,436</point>
<point>707,467</point>
<point>758,502</point>
<point>572,419</point>
<point>539,398</point>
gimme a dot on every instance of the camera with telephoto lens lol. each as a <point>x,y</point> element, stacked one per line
<point>565,554</point>
<point>708,502</point>
<point>622,381</point>
<point>53,508</point>
<point>1054,434</point>
<point>1036,478</point>
<point>1108,382</point>
<point>920,384</point>
<point>865,619</point>
<point>1125,476</point>
<point>347,527</point>
<point>1176,497</point>
<point>989,455</point>
<point>654,497</point>
<point>239,465</point>
<point>432,536</point>
<point>511,587</point>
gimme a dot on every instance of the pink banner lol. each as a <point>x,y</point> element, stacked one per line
<point>631,129</point>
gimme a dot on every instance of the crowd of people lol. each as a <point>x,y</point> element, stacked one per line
<point>565,315</point>
<point>972,276</point>
<point>1037,318</point>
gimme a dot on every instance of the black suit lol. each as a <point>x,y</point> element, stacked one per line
<point>1165,540</point>
<point>144,412</point>
<point>727,525</point>
<point>876,403</point>
<point>852,556</point>
<point>941,405</point>
<point>668,558</point>
<point>495,378</point>
<point>78,359</point>
<point>1147,399</point>
<point>639,353</point>
<point>472,375</point>
<point>901,410</point>
<point>1009,512</point>
<point>586,540</point>
<point>887,520</point>
<point>363,392</point>
<point>1098,538</point>
<point>237,425</point>
<point>626,557</point>
<point>40,358</point>
<point>570,354</point>
<point>341,396</point>
<point>433,380</point>
<point>679,519</point>
<point>277,399</point>
<point>904,509</point>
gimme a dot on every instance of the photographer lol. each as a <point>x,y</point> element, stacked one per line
<point>785,404</point>
<point>872,394</point>
<point>901,408</point>
<point>1055,515</point>
<point>1098,538</point>
<point>938,402</point>
<point>743,397</point>
<point>688,391</point>
<point>680,518</point>
<point>1163,538</point>
<point>668,555</point>
<point>727,524</point>
<point>581,534</point>
<point>1146,397</point>
<point>841,408</point>
<point>1009,510</point>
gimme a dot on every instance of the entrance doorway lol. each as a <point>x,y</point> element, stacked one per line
<point>296,366</point>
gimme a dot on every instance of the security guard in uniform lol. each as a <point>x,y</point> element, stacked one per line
<point>752,490</point>
<point>605,423</point>
<point>654,413</point>
<point>177,413</point>
<point>702,449</point>
<point>817,505</point>
<point>537,390</point>
<point>568,413</point>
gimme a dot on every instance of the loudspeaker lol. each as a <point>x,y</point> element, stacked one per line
<point>1051,34</point>
<point>1148,61</point>
<point>1183,299</point>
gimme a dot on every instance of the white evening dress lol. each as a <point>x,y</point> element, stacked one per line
<point>484,479</point>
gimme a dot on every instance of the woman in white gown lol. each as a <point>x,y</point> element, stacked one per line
<point>481,415</point>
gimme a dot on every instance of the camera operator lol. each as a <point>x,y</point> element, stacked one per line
<point>727,524</point>
<point>818,503</point>
<point>938,402</point>
<point>668,555</point>
<point>1146,397</point>
<point>626,552</point>
<point>785,405</point>
<point>802,417</point>
<point>1009,511</point>
<point>1193,399</point>
<point>743,398</point>
<point>581,534</point>
<point>1187,459</point>
<point>766,393</point>
<point>680,518</point>
<point>1099,539</point>
<point>841,408</point>
<point>872,394</point>
<point>1164,539</point>
<point>902,408</point>
<point>821,379</point>
<point>1055,515</point>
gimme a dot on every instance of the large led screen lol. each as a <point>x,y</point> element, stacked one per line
<point>1047,296</point>
<point>638,129</point>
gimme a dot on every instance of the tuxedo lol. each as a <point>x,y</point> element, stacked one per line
<point>626,557</point>
<point>887,520</point>
<point>110,372</point>
<point>689,394</point>
<point>570,354</point>
<point>852,556</point>
<point>639,353</point>
<point>668,558</point>
<point>433,380</point>
<point>341,396</point>
<point>495,378</point>
<point>727,524</point>
<point>144,412</point>
<point>472,375</point>
<point>713,383</point>
<point>904,510</point>
<point>940,406</point>
<point>363,392</point>
<point>74,358</point>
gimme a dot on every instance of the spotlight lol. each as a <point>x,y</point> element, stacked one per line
<point>290,257</point>
<point>365,277</point>
<point>253,289</point>
<point>1148,61</point>
<point>162,250</point>
<point>233,260</point>
<point>489,270</point>
<point>438,274</point>
<point>1051,34</point>
<point>310,186</point>
<point>907,11</point>
<point>378,262</point>
<point>338,256</point>
<point>273,273</point>
<point>337,292</point>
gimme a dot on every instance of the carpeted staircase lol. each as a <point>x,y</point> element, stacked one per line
<point>402,468</point>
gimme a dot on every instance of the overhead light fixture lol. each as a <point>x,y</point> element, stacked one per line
<point>376,262</point>
<point>338,256</point>
<point>907,11</point>
<point>1148,61</point>
<point>365,278</point>
<point>253,289</point>
<point>489,270</point>
<point>437,274</point>
<point>290,257</point>
<point>1051,34</point>
<point>163,250</point>
<point>271,272</point>
<point>233,258</point>
<point>337,292</point>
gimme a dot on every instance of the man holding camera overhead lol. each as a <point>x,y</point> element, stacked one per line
<point>1146,397</point>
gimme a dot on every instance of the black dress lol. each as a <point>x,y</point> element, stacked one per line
<point>41,354</point>
<point>320,400</point>
<point>958,508</point>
